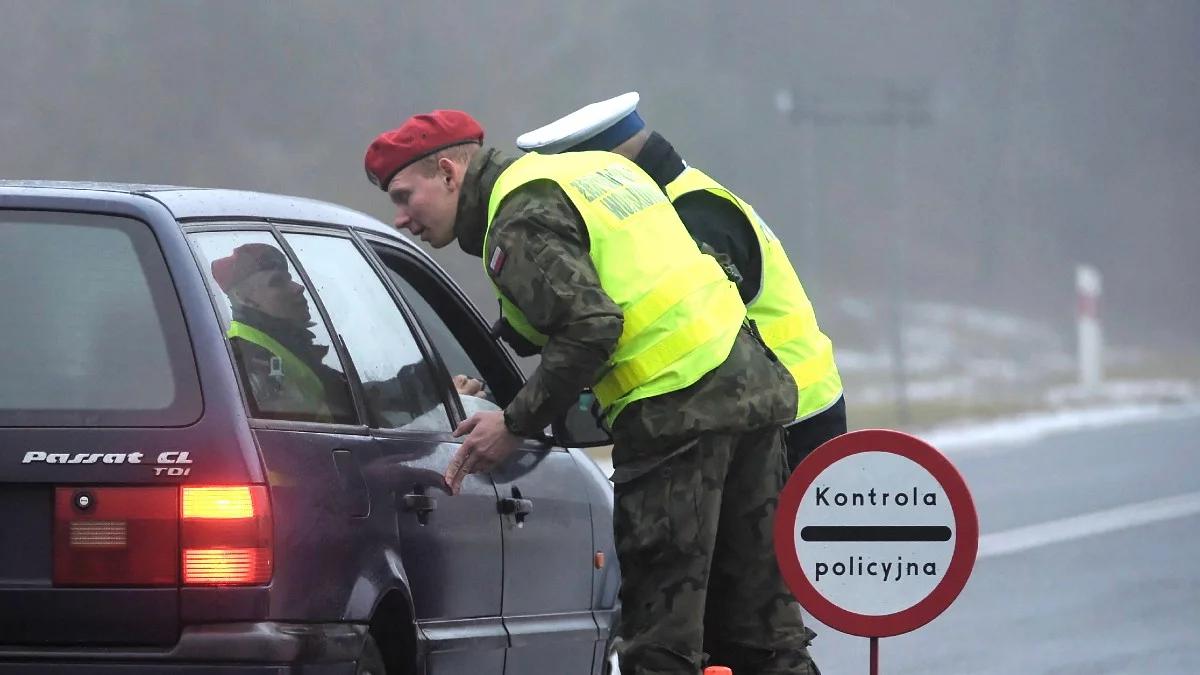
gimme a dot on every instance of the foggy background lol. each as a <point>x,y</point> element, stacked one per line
<point>967,154</point>
<point>935,168</point>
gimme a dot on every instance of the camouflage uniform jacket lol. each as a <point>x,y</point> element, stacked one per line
<point>547,272</point>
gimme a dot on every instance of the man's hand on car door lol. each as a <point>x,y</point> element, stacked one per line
<point>488,443</point>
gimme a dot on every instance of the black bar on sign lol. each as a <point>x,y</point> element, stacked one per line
<point>875,533</point>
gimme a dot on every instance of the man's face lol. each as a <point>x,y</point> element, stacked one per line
<point>275,293</point>
<point>426,205</point>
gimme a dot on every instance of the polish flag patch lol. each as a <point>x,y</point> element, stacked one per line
<point>496,263</point>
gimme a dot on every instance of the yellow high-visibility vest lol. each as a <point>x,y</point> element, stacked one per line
<point>780,307</point>
<point>681,313</point>
<point>306,381</point>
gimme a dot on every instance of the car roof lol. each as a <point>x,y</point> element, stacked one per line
<point>189,203</point>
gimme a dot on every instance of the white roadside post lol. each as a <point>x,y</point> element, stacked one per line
<point>1091,342</point>
<point>876,534</point>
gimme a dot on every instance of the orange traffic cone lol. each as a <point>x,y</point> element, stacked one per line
<point>717,670</point>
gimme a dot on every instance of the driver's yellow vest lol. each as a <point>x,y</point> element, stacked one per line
<point>306,381</point>
<point>780,308</point>
<point>681,313</point>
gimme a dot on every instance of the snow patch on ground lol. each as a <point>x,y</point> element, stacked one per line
<point>995,435</point>
<point>1074,407</point>
<point>1031,427</point>
<point>973,359</point>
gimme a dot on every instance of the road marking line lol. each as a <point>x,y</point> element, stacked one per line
<point>1090,524</point>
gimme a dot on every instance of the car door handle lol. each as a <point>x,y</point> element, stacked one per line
<point>420,503</point>
<point>516,507</point>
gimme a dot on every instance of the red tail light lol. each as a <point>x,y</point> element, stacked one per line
<point>116,536</point>
<point>145,536</point>
<point>230,502</point>
<point>225,535</point>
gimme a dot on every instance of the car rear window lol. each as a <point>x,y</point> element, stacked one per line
<point>92,332</point>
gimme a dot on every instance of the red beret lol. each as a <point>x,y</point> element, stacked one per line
<point>419,136</point>
<point>244,261</point>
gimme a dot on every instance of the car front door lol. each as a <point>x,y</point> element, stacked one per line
<point>451,545</point>
<point>549,556</point>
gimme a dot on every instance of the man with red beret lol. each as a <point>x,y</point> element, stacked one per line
<point>276,352</point>
<point>592,265</point>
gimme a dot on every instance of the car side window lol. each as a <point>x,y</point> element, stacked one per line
<point>466,346</point>
<point>400,389</point>
<point>283,351</point>
<point>453,354</point>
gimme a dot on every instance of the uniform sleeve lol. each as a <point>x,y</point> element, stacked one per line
<point>537,254</point>
<point>715,221</point>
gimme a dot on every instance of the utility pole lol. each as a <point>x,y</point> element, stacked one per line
<point>803,113</point>
<point>906,109</point>
<point>903,110</point>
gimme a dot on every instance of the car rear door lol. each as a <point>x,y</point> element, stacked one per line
<point>451,545</point>
<point>549,557</point>
<point>312,447</point>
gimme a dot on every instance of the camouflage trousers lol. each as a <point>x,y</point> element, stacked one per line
<point>694,538</point>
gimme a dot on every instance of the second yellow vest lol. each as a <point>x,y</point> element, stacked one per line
<point>780,307</point>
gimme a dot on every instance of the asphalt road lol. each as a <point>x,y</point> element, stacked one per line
<point>1089,563</point>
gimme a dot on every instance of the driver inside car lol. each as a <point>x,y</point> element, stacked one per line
<point>275,350</point>
<point>278,353</point>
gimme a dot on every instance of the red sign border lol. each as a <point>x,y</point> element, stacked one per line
<point>966,530</point>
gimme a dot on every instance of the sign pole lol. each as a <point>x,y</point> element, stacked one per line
<point>874,656</point>
<point>1091,342</point>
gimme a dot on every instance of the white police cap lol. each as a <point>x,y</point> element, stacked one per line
<point>599,126</point>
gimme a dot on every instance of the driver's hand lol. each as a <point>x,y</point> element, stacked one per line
<point>468,386</point>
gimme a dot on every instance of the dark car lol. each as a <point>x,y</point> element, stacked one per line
<point>224,420</point>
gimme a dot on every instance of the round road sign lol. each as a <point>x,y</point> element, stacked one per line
<point>876,533</point>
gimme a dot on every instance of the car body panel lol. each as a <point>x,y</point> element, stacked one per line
<point>480,590</point>
<point>219,446</point>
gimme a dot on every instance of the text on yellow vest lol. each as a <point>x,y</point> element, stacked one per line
<point>681,313</point>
